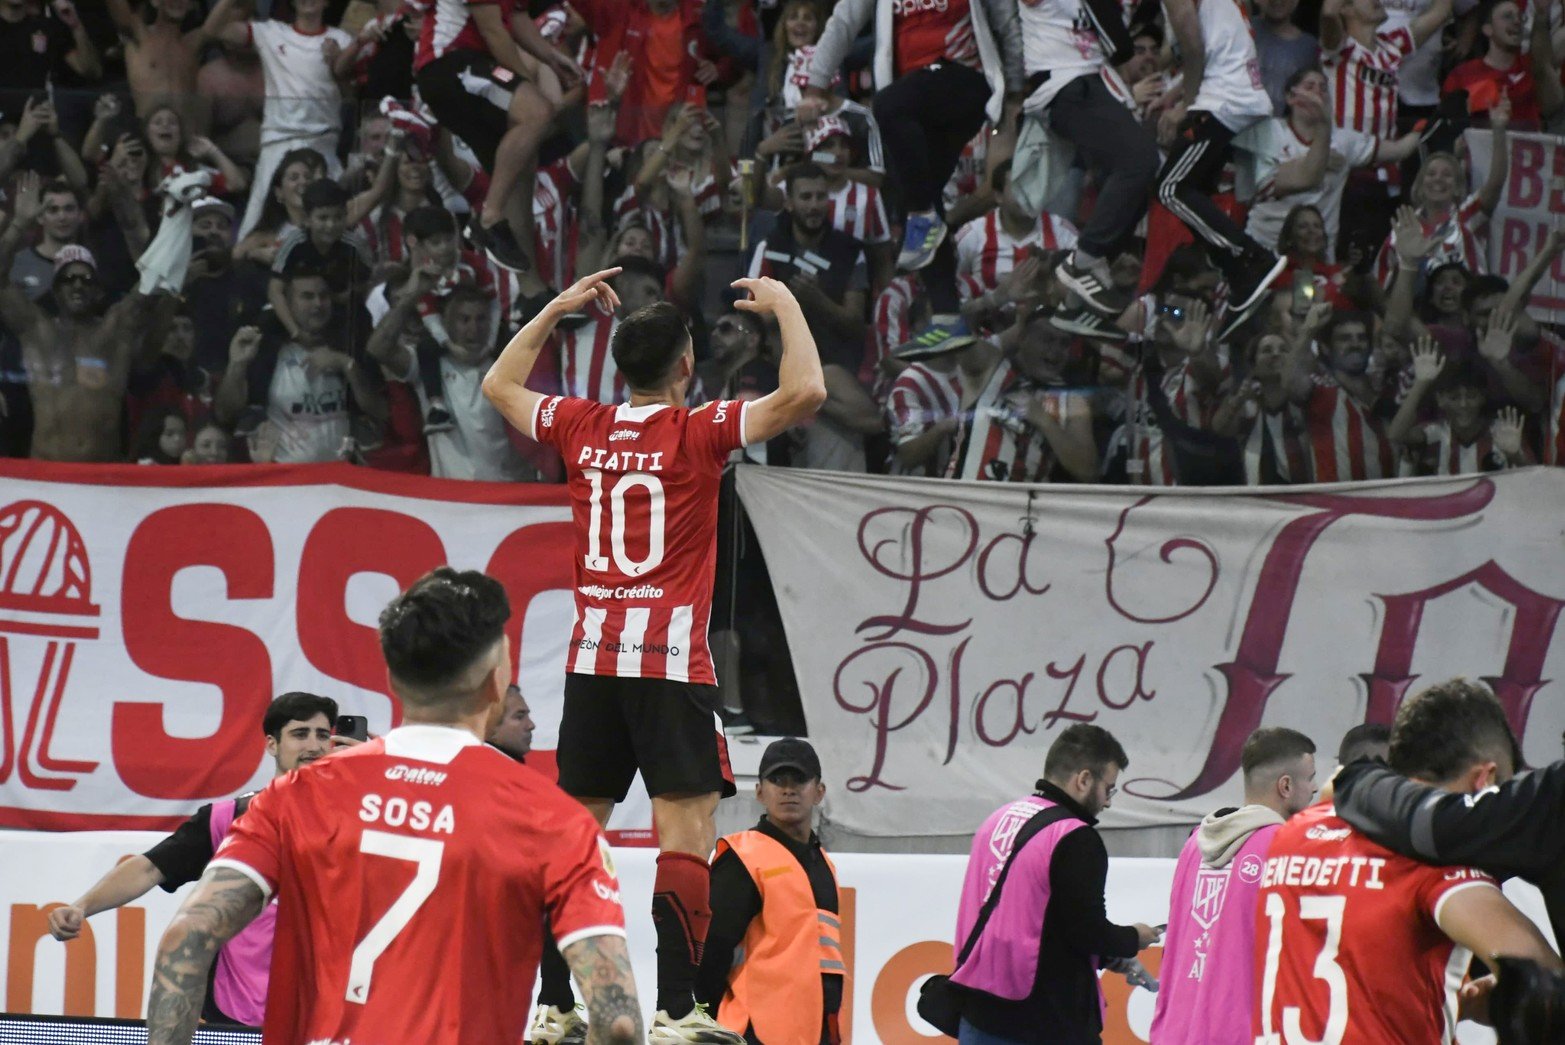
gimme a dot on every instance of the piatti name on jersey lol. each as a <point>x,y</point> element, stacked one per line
<point>619,461</point>
<point>396,812</point>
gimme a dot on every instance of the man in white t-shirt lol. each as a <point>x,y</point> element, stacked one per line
<point>1314,160</point>
<point>1223,97</point>
<point>475,445</point>
<point>305,385</point>
<point>303,102</point>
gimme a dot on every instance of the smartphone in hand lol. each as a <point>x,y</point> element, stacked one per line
<point>354,727</point>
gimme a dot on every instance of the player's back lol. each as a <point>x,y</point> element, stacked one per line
<point>1348,949</point>
<point>643,484</point>
<point>412,876</point>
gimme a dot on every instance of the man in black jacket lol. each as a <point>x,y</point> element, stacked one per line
<point>1027,982</point>
<point>1513,831</point>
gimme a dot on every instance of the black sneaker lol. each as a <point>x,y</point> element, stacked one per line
<point>1083,322</point>
<point>437,419</point>
<point>1247,290</point>
<point>1090,289</point>
<point>499,244</point>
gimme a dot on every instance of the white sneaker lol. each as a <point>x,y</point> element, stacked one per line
<point>553,1026</point>
<point>697,1026</point>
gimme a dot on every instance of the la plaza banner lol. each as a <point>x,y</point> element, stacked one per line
<point>944,633</point>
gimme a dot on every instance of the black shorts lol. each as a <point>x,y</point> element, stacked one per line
<point>471,97</point>
<point>668,730</point>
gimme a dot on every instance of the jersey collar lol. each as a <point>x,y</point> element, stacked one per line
<point>429,743</point>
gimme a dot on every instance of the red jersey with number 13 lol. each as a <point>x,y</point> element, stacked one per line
<point>643,482</point>
<point>1348,943</point>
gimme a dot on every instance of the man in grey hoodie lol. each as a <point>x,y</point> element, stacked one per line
<point>1208,970</point>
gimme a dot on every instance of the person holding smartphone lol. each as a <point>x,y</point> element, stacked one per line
<point>299,731</point>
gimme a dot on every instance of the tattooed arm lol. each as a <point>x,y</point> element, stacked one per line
<point>224,902</point>
<point>601,964</point>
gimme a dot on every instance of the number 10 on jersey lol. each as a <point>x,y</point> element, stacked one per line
<point>647,523</point>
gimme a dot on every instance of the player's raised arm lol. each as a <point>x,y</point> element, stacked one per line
<point>801,387</point>
<point>224,901</point>
<point>506,383</point>
<point>601,964</point>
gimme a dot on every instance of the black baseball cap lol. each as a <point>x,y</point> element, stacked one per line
<point>790,753</point>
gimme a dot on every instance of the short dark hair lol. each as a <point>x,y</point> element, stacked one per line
<point>303,270</point>
<point>297,706</point>
<point>1298,75</point>
<point>436,631</point>
<point>1482,286</point>
<point>1444,730</point>
<point>323,192</point>
<point>1347,319</point>
<point>61,187</point>
<point>647,344</point>
<point>1273,744</point>
<point>1185,262</point>
<point>426,221</point>
<point>805,172</point>
<point>1365,740</point>
<point>1151,29</point>
<point>1462,373</point>
<point>466,294</point>
<point>1083,746</point>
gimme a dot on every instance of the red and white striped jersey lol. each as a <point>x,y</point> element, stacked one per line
<point>1453,457</point>
<point>1463,237</point>
<point>556,233</point>
<point>967,177</point>
<point>893,321</point>
<point>994,443</point>
<point>667,238</point>
<point>1347,440</point>
<point>643,485</point>
<point>921,397</point>
<point>382,232</point>
<point>1364,81</point>
<point>857,209</point>
<point>1276,445</point>
<point>1150,461</point>
<point>587,369</point>
<point>986,253</point>
<point>449,26</point>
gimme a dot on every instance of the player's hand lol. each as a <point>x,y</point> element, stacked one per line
<point>586,290</point>
<point>1472,1001</point>
<point>65,923</point>
<point>767,296</point>
<point>1147,935</point>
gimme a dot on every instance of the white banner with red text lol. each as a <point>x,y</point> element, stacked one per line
<point>944,633</point>
<point>148,615</point>
<point>898,913</point>
<point>1532,203</point>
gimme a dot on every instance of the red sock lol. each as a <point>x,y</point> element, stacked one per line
<point>681,911</point>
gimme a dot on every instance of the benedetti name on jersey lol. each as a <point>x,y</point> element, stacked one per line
<point>640,591</point>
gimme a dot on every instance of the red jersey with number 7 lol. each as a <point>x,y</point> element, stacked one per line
<point>1348,942</point>
<point>413,874</point>
<point>643,482</point>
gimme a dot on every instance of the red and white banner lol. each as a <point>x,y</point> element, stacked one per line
<point>148,615</point>
<point>1531,204</point>
<point>944,633</point>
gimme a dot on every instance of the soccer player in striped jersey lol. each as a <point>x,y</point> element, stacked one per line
<point>990,247</point>
<point>640,689</point>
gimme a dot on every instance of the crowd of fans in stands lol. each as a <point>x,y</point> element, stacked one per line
<point>280,231</point>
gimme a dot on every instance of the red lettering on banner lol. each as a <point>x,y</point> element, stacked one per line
<point>1138,690</point>
<point>529,562</point>
<point>919,572</point>
<point>165,645</point>
<point>403,548</point>
<point>1516,236</point>
<point>1519,680</point>
<point>1528,160</point>
<point>1252,675</point>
